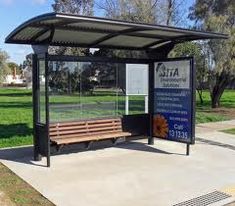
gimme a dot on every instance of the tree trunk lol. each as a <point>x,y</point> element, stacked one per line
<point>215,99</point>
<point>222,81</point>
<point>169,12</point>
<point>200,91</point>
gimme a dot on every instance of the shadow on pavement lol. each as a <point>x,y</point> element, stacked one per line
<point>20,154</point>
<point>219,144</point>
<point>144,148</point>
<point>25,154</point>
<point>129,145</point>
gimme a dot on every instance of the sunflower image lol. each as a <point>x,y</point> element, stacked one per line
<point>160,126</point>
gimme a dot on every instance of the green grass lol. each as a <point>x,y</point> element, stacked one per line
<point>227,100</point>
<point>229,131</point>
<point>204,113</point>
<point>15,117</point>
<point>16,111</point>
<point>203,117</point>
<point>100,104</point>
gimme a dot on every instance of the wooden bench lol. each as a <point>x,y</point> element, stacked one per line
<point>85,131</point>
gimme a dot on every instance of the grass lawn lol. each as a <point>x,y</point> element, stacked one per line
<point>229,131</point>
<point>16,112</point>
<point>15,117</point>
<point>19,192</point>
<point>204,113</point>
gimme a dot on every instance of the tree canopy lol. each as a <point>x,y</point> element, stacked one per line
<point>219,16</point>
<point>4,68</point>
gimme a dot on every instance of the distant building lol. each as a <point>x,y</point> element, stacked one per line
<point>15,79</point>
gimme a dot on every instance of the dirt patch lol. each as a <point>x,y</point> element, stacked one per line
<point>5,201</point>
<point>227,112</point>
<point>16,192</point>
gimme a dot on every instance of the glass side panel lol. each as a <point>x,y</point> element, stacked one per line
<point>42,92</point>
<point>99,90</point>
<point>88,90</point>
<point>136,104</point>
<point>64,91</point>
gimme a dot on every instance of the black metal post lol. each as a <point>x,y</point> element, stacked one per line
<point>47,111</point>
<point>187,149</point>
<point>193,87</point>
<point>35,86</point>
<point>151,103</point>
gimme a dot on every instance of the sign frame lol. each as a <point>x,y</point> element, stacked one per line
<point>128,93</point>
<point>192,89</point>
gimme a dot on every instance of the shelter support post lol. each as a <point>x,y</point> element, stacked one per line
<point>151,103</point>
<point>187,149</point>
<point>41,104</point>
<point>37,156</point>
<point>48,151</point>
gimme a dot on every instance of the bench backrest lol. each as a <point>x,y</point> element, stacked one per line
<point>81,128</point>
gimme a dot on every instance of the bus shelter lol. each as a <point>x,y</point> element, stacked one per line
<point>82,99</point>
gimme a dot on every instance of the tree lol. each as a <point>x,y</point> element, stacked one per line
<point>84,7</point>
<point>15,68</point>
<point>197,50</point>
<point>216,15</point>
<point>166,12</point>
<point>27,70</point>
<point>4,69</point>
<point>80,7</point>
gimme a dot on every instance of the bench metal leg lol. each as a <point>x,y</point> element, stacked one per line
<point>187,149</point>
<point>89,144</point>
<point>59,147</point>
<point>150,140</point>
<point>37,157</point>
<point>114,141</point>
<point>48,161</point>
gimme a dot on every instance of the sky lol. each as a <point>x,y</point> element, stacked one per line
<point>15,12</point>
<point>12,14</point>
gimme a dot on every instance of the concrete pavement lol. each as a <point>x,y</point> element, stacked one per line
<point>134,173</point>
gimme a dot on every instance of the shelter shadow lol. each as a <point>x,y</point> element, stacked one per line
<point>9,130</point>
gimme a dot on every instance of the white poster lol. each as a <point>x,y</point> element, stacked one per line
<point>137,79</point>
<point>172,74</point>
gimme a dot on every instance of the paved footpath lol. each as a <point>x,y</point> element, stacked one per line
<point>135,173</point>
<point>213,132</point>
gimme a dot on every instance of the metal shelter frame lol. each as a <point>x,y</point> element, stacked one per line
<point>56,29</point>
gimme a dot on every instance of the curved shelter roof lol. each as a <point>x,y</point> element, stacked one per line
<point>58,29</point>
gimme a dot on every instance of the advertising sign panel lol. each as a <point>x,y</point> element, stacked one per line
<point>174,100</point>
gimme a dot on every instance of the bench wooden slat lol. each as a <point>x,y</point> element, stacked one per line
<point>91,130</point>
<point>91,138</point>
<point>84,134</point>
<point>60,128</point>
<point>88,130</point>
<point>67,124</point>
<point>84,122</point>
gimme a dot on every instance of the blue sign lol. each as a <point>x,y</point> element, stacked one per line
<point>173,101</point>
